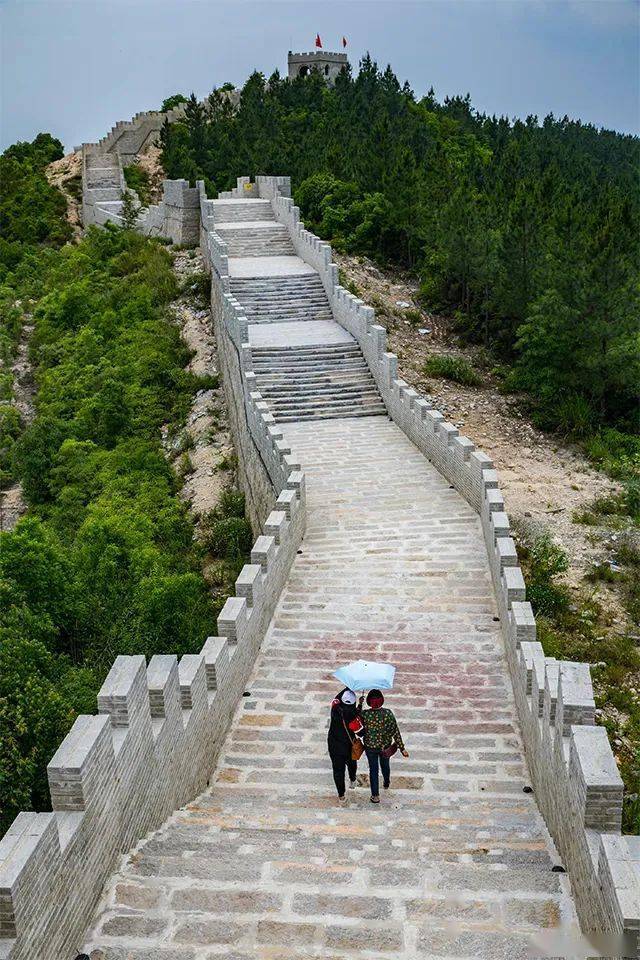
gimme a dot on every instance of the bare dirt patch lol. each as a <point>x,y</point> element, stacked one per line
<point>12,502</point>
<point>150,161</point>
<point>205,440</point>
<point>66,175</point>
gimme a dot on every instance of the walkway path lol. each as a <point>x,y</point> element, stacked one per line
<point>456,861</point>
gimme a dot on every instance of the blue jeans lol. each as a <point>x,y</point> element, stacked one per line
<point>376,757</point>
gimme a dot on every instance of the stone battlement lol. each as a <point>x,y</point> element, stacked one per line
<point>319,56</point>
<point>324,62</point>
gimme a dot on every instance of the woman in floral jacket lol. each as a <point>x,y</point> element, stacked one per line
<point>379,728</point>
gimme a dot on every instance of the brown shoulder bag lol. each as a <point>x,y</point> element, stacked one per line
<point>357,747</point>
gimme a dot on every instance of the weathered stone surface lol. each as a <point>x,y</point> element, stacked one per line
<point>456,861</point>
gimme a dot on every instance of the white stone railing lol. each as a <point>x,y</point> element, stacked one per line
<point>575,776</point>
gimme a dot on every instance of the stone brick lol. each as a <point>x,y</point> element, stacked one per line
<point>223,901</point>
<point>127,925</point>
<point>207,932</point>
<point>389,938</point>
<point>369,908</point>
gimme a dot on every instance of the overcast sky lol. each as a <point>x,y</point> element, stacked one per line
<point>74,67</point>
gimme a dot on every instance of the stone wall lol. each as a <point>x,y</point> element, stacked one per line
<point>128,138</point>
<point>264,459</point>
<point>176,217</point>
<point>575,777</point>
<point>329,65</point>
<point>154,742</point>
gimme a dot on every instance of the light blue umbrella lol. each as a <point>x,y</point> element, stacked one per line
<point>366,675</point>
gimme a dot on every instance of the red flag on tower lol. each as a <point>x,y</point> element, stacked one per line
<point>344,41</point>
<point>318,40</point>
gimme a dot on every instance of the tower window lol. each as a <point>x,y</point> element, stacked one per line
<point>326,70</point>
<point>304,70</point>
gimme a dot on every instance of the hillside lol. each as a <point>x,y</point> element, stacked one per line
<point>121,528</point>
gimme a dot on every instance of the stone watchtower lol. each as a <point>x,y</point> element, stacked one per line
<point>328,64</point>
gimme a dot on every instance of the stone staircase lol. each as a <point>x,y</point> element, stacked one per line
<point>280,299</point>
<point>317,382</point>
<point>103,173</point>
<point>234,211</point>
<point>249,229</point>
<point>255,238</point>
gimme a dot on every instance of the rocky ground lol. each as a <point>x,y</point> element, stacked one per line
<point>205,440</point>
<point>151,161</point>
<point>66,174</point>
<point>12,503</point>
<point>543,478</point>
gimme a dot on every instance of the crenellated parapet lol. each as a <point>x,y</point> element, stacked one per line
<point>128,138</point>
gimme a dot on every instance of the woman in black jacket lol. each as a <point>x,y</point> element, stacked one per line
<point>340,740</point>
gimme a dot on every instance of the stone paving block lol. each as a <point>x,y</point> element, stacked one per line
<point>276,932</point>
<point>493,946</point>
<point>207,932</point>
<point>354,940</point>
<point>127,925</point>
<point>137,896</point>
<point>365,908</point>
<point>223,901</point>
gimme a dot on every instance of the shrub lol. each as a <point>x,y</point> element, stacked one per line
<point>545,561</point>
<point>138,179</point>
<point>575,416</point>
<point>174,101</point>
<point>229,538</point>
<point>456,369</point>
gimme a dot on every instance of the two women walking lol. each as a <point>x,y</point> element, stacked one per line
<point>351,728</point>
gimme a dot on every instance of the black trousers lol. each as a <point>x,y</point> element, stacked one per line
<point>339,761</point>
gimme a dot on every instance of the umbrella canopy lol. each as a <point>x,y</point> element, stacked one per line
<point>366,675</point>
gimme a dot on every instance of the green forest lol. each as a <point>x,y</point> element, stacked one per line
<point>104,562</point>
<point>524,232</point>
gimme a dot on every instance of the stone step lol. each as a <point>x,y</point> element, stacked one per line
<point>277,286</point>
<point>296,351</point>
<point>284,316</point>
<point>260,248</point>
<point>338,362</point>
<point>227,211</point>
<point>306,349</point>
<point>299,384</point>
<point>307,368</point>
<point>325,391</point>
<point>293,357</point>
<point>257,227</point>
<point>292,301</point>
<point>315,402</point>
<point>353,366</point>
<point>331,414</point>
